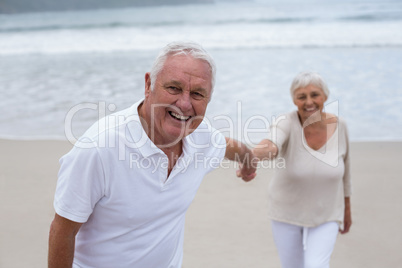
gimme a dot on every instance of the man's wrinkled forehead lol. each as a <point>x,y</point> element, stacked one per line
<point>189,66</point>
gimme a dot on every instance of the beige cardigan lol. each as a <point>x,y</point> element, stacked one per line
<point>311,188</point>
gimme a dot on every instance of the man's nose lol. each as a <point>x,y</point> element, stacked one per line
<point>184,102</point>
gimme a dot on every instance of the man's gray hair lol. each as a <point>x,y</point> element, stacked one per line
<point>304,79</point>
<point>181,48</point>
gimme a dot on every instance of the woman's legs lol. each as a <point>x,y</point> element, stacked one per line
<point>300,247</point>
<point>289,243</point>
<point>320,244</point>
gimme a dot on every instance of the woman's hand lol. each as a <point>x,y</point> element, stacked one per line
<point>246,174</point>
<point>347,221</point>
<point>265,150</point>
<point>239,152</point>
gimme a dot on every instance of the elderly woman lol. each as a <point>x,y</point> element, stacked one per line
<point>308,198</point>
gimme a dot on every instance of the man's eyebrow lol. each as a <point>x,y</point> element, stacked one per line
<point>173,82</point>
<point>179,84</point>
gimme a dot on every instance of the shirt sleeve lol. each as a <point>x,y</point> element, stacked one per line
<point>347,184</point>
<point>80,184</point>
<point>209,145</point>
<point>280,130</point>
<point>216,151</point>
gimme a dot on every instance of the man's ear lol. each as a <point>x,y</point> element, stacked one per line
<point>147,84</point>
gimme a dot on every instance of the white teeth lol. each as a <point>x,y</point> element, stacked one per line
<point>180,117</point>
<point>310,109</point>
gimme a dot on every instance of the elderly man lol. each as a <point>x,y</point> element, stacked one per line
<point>124,188</point>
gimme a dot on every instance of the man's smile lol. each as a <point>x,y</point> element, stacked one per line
<point>178,116</point>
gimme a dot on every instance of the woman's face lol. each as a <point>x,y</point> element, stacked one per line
<point>309,100</point>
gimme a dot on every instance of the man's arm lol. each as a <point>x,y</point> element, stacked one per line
<point>237,151</point>
<point>265,150</point>
<point>62,242</point>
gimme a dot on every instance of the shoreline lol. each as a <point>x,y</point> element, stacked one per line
<point>227,223</point>
<point>63,139</point>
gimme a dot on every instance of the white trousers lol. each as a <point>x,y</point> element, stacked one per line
<point>304,247</point>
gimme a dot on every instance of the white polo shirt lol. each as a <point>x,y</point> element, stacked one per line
<point>115,181</point>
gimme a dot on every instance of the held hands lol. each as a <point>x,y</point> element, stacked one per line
<point>247,169</point>
<point>265,150</point>
<point>247,173</point>
<point>239,152</point>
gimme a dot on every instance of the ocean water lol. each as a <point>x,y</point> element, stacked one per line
<point>64,70</point>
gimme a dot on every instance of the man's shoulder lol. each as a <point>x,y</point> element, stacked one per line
<point>206,138</point>
<point>205,131</point>
<point>110,129</point>
<point>112,123</point>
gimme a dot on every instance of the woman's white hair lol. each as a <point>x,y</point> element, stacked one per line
<point>304,79</point>
<point>181,48</point>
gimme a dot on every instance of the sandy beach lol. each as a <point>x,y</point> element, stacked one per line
<point>227,224</point>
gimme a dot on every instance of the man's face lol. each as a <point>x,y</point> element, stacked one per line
<point>179,100</point>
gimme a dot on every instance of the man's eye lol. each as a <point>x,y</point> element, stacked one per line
<point>197,95</point>
<point>173,90</point>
